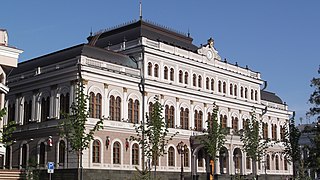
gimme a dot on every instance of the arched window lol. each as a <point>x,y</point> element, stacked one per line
<point>265,130</point>
<point>184,118</point>
<point>62,152</point>
<point>171,156</point>
<point>224,87</point>
<point>150,109</point>
<point>95,105</point>
<point>91,104</point>
<point>282,132</point>
<point>186,76</point>
<point>194,80</point>
<point>198,120</point>
<point>248,163</point>
<point>252,96</point>
<point>24,156</point>
<point>96,151</point>
<point>235,123</point>
<point>115,108</point>
<point>149,69</point>
<point>156,70</point>
<point>274,132</point>
<point>116,153</point>
<point>200,158</point>
<point>223,121</point>
<point>212,84</point>
<point>171,74</point>
<point>186,157</point>
<point>256,95</point>
<point>235,90</point>
<point>199,81</point>
<point>11,112</point>
<point>231,89</point>
<point>64,104</point>
<point>133,111</point>
<point>42,155</point>
<point>165,71</point>
<point>241,91</point>
<point>27,111</point>
<point>169,116</point>
<point>135,154</point>
<point>268,162</point>
<point>219,86</point>
<point>98,105</point>
<point>277,162</point>
<point>180,76</point>
<point>207,83</point>
<point>45,108</point>
<point>118,109</point>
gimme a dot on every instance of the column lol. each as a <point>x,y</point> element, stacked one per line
<point>205,116</point>
<point>124,104</point>
<point>191,115</point>
<point>16,113</point>
<point>105,102</point>
<point>177,111</point>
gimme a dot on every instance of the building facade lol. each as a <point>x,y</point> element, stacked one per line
<point>124,68</point>
<point>8,60</point>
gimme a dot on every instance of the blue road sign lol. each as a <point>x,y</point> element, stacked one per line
<point>50,167</point>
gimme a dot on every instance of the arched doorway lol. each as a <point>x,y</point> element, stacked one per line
<point>237,160</point>
<point>223,160</point>
<point>24,154</point>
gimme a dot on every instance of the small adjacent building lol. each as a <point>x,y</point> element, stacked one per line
<point>124,68</point>
<point>8,60</point>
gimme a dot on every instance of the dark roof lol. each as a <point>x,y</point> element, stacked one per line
<point>270,96</point>
<point>141,28</point>
<point>72,52</point>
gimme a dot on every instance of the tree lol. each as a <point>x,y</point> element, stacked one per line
<point>253,142</point>
<point>74,127</point>
<point>291,143</point>
<point>215,138</point>
<point>156,135</point>
<point>7,129</point>
<point>314,150</point>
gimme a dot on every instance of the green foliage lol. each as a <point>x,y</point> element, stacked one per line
<point>253,143</point>
<point>141,175</point>
<point>155,133</point>
<point>315,98</point>
<point>314,150</point>
<point>73,128</point>
<point>7,129</point>
<point>216,136</point>
<point>291,143</point>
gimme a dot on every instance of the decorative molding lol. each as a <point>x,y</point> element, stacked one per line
<point>125,90</point>
<point>106,85</point>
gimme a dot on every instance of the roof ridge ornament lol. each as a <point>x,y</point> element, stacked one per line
<point>140,9</point>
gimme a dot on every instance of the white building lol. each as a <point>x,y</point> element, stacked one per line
<point>8,60</point>
<point>116,64</point>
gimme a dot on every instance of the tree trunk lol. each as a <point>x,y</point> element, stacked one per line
<point>78,165</point>
<point>254,168</point>
<point>212,169</point>
<point>155,171</point>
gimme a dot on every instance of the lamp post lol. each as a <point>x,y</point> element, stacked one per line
<point>181,148</point>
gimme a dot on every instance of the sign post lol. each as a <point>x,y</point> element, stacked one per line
<point>50,166</point>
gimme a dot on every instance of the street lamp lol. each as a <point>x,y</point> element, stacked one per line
<point>181,148</point>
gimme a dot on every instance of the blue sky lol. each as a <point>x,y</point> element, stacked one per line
<point>279,39</point>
